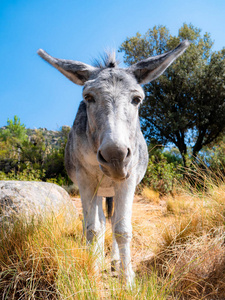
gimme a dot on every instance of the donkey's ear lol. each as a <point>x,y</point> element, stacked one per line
<point>152,67</point>
<point>76,71</point>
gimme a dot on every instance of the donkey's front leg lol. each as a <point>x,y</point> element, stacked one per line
<point>94,220</point>
<point>122,228</point>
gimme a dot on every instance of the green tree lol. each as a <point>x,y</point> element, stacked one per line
<point>186,105</point>
<point>54,163</point>
<point>14,131</point>
<point>12,138</point>
<point>34,150</point>
<point>37,157</point>
<point>213,157</point>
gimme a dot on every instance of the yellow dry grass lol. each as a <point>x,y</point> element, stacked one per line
<point>177,252</point>
<point>150,194</point>
<point>190,251</point>
<point>33,255</point>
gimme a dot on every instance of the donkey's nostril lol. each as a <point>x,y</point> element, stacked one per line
<point>113,155</point>
<point>101,158</point>
<point>128,152</point>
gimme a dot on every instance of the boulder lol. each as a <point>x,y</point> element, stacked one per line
<point>32,199</point>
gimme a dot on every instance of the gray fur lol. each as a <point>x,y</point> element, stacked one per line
<point>106,153</point>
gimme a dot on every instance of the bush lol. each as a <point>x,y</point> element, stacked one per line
<point>214,158</point>
<point>161,174</point>
<point>28,174</point>
<point>27,154</point>
<point>72,190</point>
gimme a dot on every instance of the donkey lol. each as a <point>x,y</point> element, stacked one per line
<point>106,154</point>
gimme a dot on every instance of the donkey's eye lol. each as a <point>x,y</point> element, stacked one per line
<point>89,98</point>
<point>136,100</point>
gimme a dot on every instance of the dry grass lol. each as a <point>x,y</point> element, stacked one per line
<point>150,195</point>
<point>33,255</point>
<point>193,270</point>
<point>191,251</point>
<point>48,259</point>
<point>178,252</point>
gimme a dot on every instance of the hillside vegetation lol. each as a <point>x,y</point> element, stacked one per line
<point>32,154</point>
<point>38,154</point>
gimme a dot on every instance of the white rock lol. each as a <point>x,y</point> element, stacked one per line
<point>32,198</point>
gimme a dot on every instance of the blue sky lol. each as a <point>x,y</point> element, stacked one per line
<point>78,30</point>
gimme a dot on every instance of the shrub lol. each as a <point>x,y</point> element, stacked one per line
<point>27,174</point>
<point>161,174</point>
<point>72,189</point>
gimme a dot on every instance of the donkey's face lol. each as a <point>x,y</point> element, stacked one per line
<point>112,98</point>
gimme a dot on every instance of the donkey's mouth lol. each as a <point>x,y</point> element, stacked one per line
<point>115,174</point>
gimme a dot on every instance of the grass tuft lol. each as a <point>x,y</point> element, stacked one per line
<point>191,251</point>
<point>150,195</point>
<point>33,255</point>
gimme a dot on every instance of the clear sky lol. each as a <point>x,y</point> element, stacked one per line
<point>78,30</point>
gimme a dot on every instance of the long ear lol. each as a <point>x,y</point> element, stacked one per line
<point>152,67</point>
<point>76,71</point>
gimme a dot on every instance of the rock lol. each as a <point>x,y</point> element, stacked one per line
<point>33,199</point>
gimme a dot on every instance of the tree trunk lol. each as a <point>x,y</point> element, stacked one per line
<point>182,147</point>
<point>199,144</point>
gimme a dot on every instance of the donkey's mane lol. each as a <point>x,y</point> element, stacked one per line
<point>106,60</point>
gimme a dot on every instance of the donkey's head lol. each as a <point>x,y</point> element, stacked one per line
<point>113,96</point>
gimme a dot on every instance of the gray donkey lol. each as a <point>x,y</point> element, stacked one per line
<point>106,154</point>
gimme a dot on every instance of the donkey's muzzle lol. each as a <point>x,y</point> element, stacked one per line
<point>114,161</point>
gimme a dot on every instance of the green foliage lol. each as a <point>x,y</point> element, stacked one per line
<point>54,163</point>
<point>184,106</point>
<point>12,138</point>
<point>164,169</point>
<point>213,157</point>
<point>33,157</point>
<point>28,174</point>
<point>34,149</point>
<point>15,131</point>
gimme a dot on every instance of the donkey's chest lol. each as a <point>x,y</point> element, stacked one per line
<point>105,185</point>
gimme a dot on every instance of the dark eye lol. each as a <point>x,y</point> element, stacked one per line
<point>136,100</point>
<point>89,98</point>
